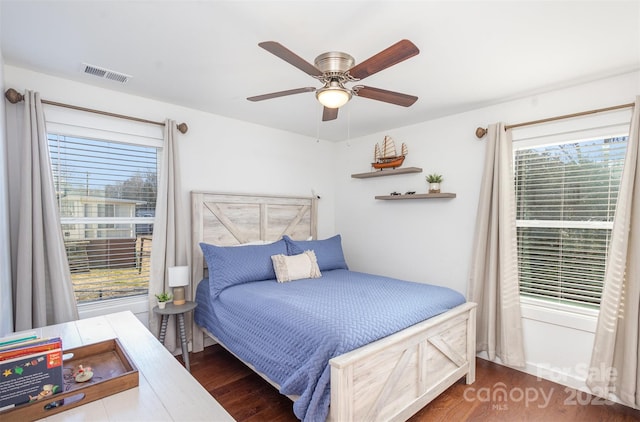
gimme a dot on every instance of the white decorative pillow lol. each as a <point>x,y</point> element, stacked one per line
<point>295,267</point>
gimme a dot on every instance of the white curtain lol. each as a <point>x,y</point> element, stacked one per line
<point>42,289</point>
<point>493,283</point>
<point>170,244</point>
<point>615,358</point>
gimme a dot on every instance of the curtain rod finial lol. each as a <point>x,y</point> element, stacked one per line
<point>13,96</point>
<point>183,128</point>
<point>480,132</point>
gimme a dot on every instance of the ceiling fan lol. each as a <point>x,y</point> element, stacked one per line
<point>335,68</point>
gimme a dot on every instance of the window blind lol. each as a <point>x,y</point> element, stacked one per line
<point>566,196</point>
<point>106,193</point>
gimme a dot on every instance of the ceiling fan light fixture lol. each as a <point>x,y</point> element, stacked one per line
<point>333,96</point>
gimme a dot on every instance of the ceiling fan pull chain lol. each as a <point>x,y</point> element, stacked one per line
<point>318,126</point>
<point>348,126</point>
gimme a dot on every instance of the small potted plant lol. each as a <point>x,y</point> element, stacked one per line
<point>434,181</point>
<point>163,298</point>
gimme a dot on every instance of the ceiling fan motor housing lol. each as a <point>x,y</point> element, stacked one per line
<point>334,65</point>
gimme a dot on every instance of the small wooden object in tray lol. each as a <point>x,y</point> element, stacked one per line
<point>113,372</point>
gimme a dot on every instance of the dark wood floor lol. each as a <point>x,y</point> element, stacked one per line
<point>248,398</point>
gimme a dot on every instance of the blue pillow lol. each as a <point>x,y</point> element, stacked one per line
<point>231,265</point>
<point>328,251</point>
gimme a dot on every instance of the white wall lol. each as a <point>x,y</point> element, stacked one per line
<point>431,240</point>
<point>6,314</point>
<point>217,153</point>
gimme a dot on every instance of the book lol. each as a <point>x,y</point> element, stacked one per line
<point>30,372</point>
<point>31,347</point>
<point>10,341</point>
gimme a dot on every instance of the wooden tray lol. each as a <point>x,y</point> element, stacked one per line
<point>113,372</point>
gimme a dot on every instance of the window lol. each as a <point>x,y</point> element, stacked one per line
<point>566,195</point>
<point>106,194</point>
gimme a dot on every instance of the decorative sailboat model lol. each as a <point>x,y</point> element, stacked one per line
<point>389,157</point>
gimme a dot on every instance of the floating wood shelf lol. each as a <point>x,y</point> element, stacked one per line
<point>389,172</point>
<point>416,196</point>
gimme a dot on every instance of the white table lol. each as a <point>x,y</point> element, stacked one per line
<point>166,390</point>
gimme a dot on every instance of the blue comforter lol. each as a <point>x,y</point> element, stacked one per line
<point>289,331</point>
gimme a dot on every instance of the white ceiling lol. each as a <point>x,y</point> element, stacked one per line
<point>205,55</point>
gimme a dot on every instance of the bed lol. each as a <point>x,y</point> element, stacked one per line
<point>389,378</point>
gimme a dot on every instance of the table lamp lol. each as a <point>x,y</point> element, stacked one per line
<point>178,278</point>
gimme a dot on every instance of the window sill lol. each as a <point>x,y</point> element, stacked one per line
<point>559,314</point>
<point>136,304</point>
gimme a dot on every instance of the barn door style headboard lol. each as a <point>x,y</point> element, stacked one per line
<point>227,219</point>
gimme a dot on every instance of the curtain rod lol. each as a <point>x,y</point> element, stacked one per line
<point>15,97</point>
<point>481,131</point>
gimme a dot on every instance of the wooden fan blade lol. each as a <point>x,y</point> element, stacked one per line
<point>397,98</point>
<point>290,57</point>
<point>400,51</point>
<point>329,114</point>
<point>281,93</point>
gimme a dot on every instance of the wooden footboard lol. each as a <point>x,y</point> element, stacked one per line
<point>393,378</point>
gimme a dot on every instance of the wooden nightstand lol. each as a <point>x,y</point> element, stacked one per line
<point>179,312</point>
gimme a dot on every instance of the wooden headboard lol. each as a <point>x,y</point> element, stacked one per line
<point>227,219</point>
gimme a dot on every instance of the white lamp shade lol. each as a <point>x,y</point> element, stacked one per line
<point>178,276</point>
<point>333,97</point>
